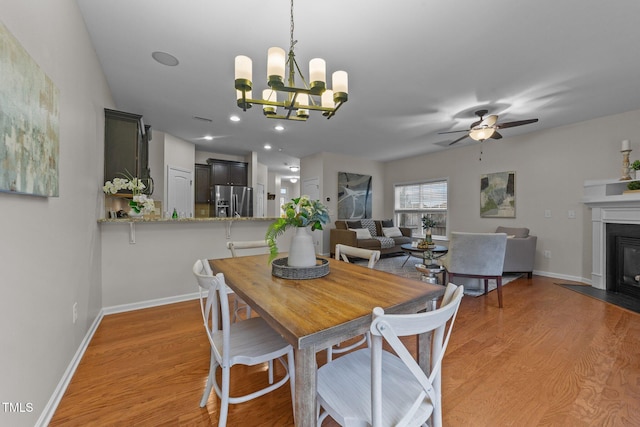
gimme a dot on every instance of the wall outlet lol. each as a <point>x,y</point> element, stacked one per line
<point>572,214</point>
<point>547,254</point>
<point>547,213</point>
<point>75,312</point>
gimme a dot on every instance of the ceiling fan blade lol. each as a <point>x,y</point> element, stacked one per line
<point>453,131</point>
<point>516,123</point>
<point>459,139</point>
<point>496,135</point>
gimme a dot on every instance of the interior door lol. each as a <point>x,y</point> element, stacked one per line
<point>179,191</point>
<point>259,200</point>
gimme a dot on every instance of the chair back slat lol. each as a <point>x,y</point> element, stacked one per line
<point>393,326</point>
<point>344,252</point>
<point>246,244</point>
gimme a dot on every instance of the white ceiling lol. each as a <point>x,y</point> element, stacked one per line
<point>415,67</point>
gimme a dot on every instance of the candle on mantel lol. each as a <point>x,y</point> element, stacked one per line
<point>625,145</point>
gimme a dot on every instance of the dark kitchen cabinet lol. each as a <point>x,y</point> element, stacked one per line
<point>225,172</point>
<point>203,185</point>
<point>126,147</point>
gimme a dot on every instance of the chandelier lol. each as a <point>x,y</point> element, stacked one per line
<point>294,102</point>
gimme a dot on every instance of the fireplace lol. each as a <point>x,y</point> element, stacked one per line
<point>615,240</point>
<point>623,259</point>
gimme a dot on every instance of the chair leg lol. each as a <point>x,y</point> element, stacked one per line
<point>499,288</point>
<point>224,400</point>
<point>486,286</point>
<point>207,388</point>
<point>329,354</point>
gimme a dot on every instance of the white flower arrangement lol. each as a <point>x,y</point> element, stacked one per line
<point>141,202</point>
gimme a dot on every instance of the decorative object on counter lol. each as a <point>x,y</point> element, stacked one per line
<point>635,166</point>
<point>280,268</point>
<point>174,215</point>
<point>427,224</point>
<point>633,186</point>
<point>140,203</point>
<point>301,213</point>
<point>626,149</point>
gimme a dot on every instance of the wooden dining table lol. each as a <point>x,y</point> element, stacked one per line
<point>313,314</point>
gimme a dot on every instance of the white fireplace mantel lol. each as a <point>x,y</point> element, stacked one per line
<point>609,204</point>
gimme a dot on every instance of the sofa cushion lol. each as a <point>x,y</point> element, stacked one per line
<point>354,224</point>
<point>402,240</point>
<point>387,223</point>
<point>518,232</point>
<point>371,225</point>
<point>391,232</point>
<point>361,233</point>
<point>372,244</point>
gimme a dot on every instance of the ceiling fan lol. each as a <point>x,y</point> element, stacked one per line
<point>487,128</point>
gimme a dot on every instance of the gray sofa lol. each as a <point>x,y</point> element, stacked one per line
<point>521,250</point>
<point>343,234</point>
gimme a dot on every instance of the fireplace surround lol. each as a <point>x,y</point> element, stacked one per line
<point>615,226</point>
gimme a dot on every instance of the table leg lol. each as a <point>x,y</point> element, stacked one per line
<point>305,399</point>
<point>405,261</point>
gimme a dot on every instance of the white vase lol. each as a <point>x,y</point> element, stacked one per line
<point>302,253</point>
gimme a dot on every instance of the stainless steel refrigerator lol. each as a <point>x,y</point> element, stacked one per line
<point>231,201</point>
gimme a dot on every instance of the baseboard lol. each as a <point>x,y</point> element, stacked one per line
<point>150,303</point>
<point>56,397</point>
<point>562,276</point>
<point>58,393</point>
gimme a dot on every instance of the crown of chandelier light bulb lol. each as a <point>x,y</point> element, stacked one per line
<point>294,102</point>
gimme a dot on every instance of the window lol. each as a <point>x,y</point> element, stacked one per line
<point>413,201</point>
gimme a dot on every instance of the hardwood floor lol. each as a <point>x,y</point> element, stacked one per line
<point>550,357</point>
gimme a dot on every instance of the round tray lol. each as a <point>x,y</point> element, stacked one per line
<point>280,268</point>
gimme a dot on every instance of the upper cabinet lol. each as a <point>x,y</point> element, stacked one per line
<point>126,147</point>
<point>225,172</point>
<point>203,186</point>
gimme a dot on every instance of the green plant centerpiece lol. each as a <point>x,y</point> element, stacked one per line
<point>427,224</point>
<point>299,212</point>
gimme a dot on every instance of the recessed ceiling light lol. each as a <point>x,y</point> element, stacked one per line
<point>294,168</point>
<point>279,127</point>
<point>208,137</point>
<point>293,180</point>
<point>165,59</point>
<point>234,118</point>
<point>267,146</point>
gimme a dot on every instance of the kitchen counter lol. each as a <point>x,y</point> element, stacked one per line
<point>158,219</point>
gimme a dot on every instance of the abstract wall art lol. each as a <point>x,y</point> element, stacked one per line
<point>498,195</point>
<point>29,127</point>
<point>354,196</point>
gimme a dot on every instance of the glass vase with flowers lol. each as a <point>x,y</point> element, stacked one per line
<point>139,203</point>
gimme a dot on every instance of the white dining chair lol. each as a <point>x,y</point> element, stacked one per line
<point>235,247</point>
<point>250,342</point>
<point>344,252</point>
<point>374,387</point>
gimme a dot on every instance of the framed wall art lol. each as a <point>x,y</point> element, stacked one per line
<point>354,196</point>
<point>29,125</point>
<point>498,195</point>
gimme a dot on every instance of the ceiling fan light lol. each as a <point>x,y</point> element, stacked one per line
<point>275,65</point>
<point>481,134</point>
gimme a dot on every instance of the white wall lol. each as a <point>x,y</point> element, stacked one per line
<point>50,247</point>
<point>551,167</point>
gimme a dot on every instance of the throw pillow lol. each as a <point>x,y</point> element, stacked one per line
<point>391,232</point>
<point>354,224</point>
<point>361,233</point>
<point>387,223</point>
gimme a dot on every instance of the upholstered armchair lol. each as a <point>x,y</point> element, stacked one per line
<point>521,250</point>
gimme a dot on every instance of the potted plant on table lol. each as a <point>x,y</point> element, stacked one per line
<point>301,213</point>
<point>427,224</point>
<point>635,167</point>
